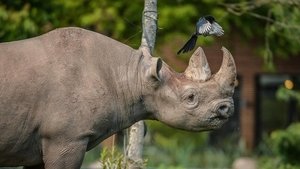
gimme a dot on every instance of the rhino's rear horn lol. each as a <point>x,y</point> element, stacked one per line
<point>198,68</point>
<point>226,76</point>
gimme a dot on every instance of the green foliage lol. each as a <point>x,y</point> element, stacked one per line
<point>172,148</point>
<point>287,94</point>
<point>276,23</point>
<point>273,23</point>
<point>112,159</point>
<point>281,33</point>
<point>285,29</point>
<point>169,148</point>
<point>91,156</point>
<point>286,143</point>
<point>284,149</point>
<point>115,159</point>
<point>24,19</point>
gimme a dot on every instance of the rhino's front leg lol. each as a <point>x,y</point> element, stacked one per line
<point>62,154</point>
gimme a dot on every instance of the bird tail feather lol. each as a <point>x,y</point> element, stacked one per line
<point>189,45</point>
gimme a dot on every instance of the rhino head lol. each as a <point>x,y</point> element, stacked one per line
<point>194,100</point>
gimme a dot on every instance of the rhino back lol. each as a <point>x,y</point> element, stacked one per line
<point>50,72</point>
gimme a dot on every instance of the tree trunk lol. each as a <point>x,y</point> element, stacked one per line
<point>136,131</point>
<point>149,25</point>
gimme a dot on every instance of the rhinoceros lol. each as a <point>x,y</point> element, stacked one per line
<point>64,92</point>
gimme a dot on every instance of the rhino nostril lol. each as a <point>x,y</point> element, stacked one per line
<point>223,111</point>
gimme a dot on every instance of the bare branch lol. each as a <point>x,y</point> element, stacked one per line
<point>149,24</point>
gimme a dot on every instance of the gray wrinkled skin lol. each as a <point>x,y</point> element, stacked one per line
<point>64,92</point>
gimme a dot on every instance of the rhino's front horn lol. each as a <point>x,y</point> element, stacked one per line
<point>198,68</point>
<point>226,76</point>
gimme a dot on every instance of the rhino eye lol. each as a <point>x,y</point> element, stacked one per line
<point>190,99</point>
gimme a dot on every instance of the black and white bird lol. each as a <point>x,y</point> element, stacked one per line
<point>206,26</point>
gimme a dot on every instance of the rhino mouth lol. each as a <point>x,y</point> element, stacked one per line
<point>211,123</point>
<point>218,121</point>
<point>218,118</point>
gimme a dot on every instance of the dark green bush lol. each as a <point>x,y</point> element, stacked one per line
<point>285,149</point>
<point>287,143</point>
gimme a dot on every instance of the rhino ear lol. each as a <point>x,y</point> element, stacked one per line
<point>153,72</point>
<point>154,67</point>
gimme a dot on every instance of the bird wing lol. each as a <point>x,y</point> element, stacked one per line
<point>216,29</point>
<point>189,45</point>
<point>203,26</point>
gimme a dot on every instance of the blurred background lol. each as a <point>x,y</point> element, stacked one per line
<point>262,35</point>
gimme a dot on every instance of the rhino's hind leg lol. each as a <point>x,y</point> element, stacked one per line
<point>40,166</point>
